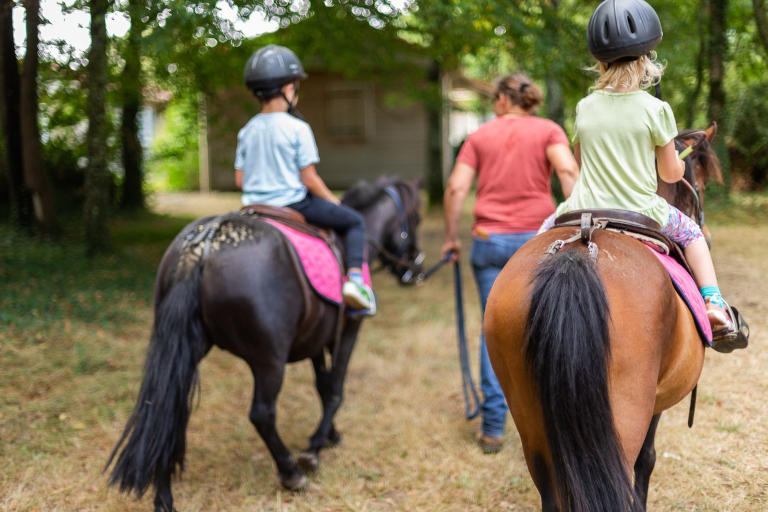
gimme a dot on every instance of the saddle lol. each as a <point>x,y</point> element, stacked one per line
<point>626,222</point>
<point>647,230</point>
<point>292,218</point>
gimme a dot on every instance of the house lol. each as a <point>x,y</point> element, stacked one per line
<point>363,129</point>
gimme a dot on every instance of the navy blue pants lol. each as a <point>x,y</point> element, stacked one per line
<point>344,220</point>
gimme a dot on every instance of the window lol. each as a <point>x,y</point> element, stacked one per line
<point>349,112</point>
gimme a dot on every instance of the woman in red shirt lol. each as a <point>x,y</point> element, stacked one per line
<point>512,157</point>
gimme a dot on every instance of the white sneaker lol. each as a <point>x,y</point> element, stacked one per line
<point>359,297</point>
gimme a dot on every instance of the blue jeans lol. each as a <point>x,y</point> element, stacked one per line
<point>488,257</point>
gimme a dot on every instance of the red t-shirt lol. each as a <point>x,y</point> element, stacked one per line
<point>513,172</point>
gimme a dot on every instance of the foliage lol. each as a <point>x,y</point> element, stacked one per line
<point>194,48</point>
<point>173,160</point>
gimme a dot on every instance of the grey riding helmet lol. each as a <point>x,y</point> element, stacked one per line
<point>271,67</point>
<point>623,30</point>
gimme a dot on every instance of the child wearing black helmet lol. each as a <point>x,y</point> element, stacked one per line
<point>275,163</point>
<point>623,135</point>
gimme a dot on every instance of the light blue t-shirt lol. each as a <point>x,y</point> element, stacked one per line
<point>272,149</point>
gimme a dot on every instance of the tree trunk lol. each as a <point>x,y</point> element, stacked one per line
<point>555,98</point>
<point>693,106</point>
<point>434,139</point>
<point>34,175</point>
<point>21,199</point>
<point>761,18</point>
<point>97,177</point>
<point>133,194</point>
<point>718,49</point>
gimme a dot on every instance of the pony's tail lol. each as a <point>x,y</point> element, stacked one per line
<point>154,439</point>
<point>568,349</point>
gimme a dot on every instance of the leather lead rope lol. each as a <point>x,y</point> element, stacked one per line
<point>467,384</point>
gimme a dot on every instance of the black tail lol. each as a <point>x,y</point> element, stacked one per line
<point>568,349</point>
<point>154,439</point>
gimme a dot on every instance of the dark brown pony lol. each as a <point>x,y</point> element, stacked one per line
<point>234,281</point>
<point>590,353</point>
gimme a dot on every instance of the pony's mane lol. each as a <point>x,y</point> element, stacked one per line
<point>706,157</point>
<point>363,194</point>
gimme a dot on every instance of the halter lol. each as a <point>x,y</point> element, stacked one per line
<point>396,259</point>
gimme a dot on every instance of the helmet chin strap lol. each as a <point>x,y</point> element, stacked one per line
<point>291,105</point>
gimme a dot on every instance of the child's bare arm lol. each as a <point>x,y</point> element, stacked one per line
<point>671,168</point>
<point>316,185</point>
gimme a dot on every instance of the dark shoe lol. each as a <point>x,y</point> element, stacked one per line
<point>731,336</point>
<point>490,444</point>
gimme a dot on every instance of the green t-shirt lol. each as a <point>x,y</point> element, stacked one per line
<point>618,133</point>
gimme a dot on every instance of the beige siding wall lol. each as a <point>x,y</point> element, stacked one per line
<point>359,134</point>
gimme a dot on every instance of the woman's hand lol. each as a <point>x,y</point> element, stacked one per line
<point>451,245</point>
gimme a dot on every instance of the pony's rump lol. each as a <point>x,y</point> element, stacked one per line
<point>567,347</point>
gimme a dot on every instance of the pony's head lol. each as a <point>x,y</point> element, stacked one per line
<point>701,167</point>
<point>391,210</point>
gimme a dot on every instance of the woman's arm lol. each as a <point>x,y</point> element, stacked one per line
<point>561,158</point>
<point>316,185</point>
<point>455,193</point>
<point>239,178</point>
<point>671,168</point>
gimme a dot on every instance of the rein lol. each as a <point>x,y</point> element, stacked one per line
<point>698,212</point>
<point>467,384</point>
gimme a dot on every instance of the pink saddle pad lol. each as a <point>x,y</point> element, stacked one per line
<point>689,292</point>
<point>321,268</point>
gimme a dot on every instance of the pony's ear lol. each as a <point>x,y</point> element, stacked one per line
<point>711,131</point>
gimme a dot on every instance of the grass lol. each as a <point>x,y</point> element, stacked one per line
<point>73,334</point>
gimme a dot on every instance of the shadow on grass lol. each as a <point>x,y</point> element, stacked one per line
<point>44,282</point>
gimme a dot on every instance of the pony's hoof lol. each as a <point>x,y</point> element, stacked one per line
<point>334,438</point>
<point>308,461</point>
<point>295,483</point>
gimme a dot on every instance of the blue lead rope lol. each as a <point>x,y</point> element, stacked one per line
<point>467,384</point>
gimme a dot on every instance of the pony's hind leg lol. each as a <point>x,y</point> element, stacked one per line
<point>267,383</point>
<point>646,460</point>
<point>330,387</point>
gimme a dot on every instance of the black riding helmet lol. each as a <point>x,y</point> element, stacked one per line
<point>623,30</point>
<point>271,67</point>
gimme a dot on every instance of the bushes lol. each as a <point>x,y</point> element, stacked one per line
<point>173,162</point>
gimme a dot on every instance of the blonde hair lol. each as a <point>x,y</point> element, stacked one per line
<point>642,73</point>
<point>521,90</point>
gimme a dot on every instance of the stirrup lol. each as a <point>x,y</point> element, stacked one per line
<point>727,340</point>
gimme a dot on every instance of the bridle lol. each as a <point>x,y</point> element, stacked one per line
<point>397,260</point>
<point>694,188</point>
